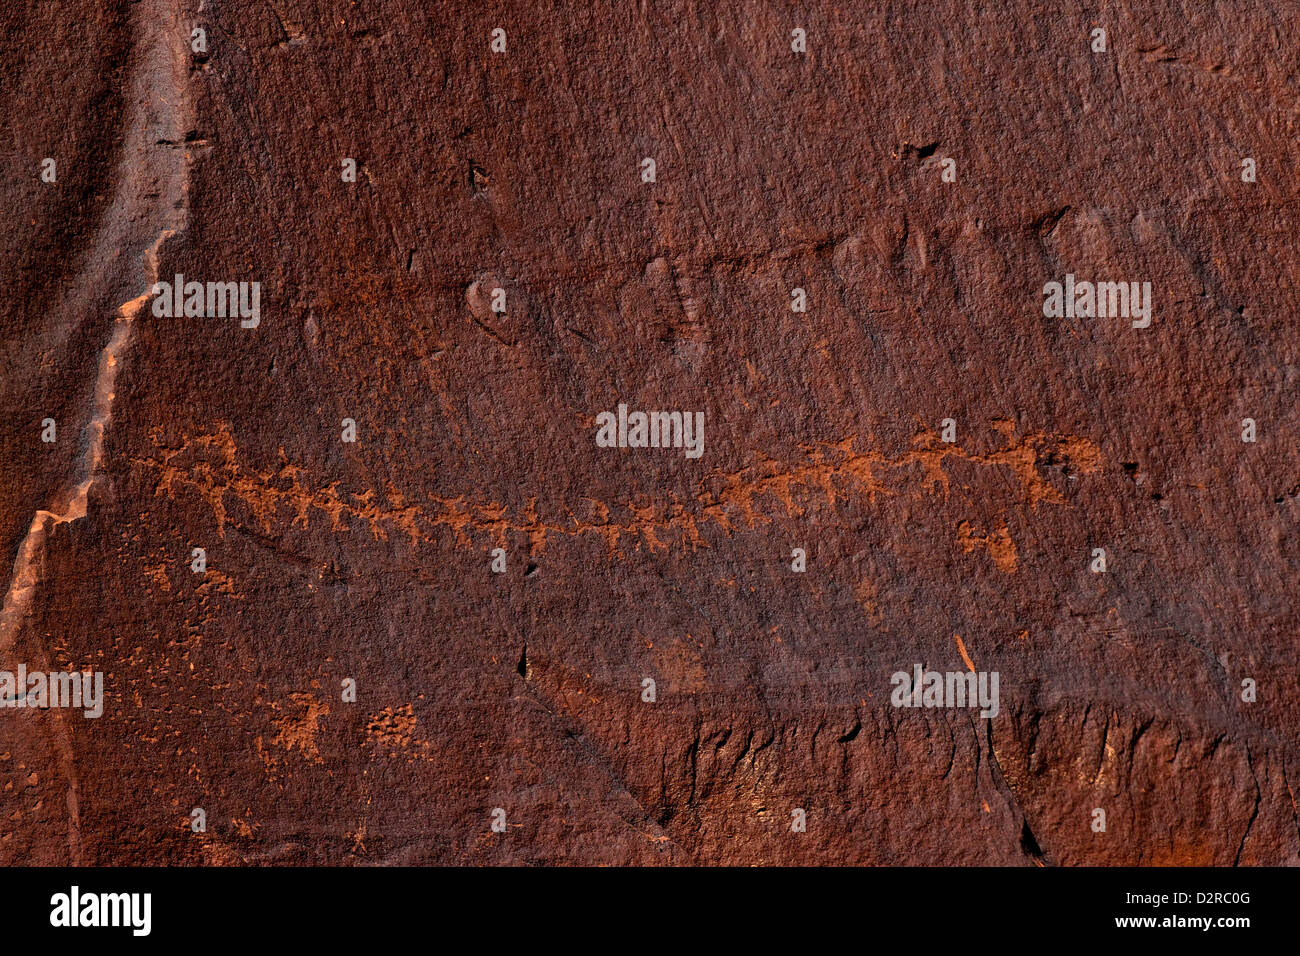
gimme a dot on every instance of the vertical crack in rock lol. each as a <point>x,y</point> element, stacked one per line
<point>153,187</point>
<point>1254,812</point>
<point>1029,844</point>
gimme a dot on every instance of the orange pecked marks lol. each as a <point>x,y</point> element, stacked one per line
<point>998,543</point>
<point>961,648</point>
<point>729,501</point>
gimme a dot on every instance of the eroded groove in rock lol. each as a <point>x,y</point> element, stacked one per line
<point>150,187</point>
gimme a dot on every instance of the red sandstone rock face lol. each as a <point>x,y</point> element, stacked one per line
<point>522,690</point>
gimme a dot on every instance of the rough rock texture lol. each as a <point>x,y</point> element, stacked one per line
<point>476,430</point>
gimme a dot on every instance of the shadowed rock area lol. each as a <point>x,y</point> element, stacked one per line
<point>369,563</point>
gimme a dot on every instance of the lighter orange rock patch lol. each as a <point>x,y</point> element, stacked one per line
<point>998,543</point>
<point>392,730</point>
<point>298,732</point>
<point>961,648</point>
<point>158,575</point>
